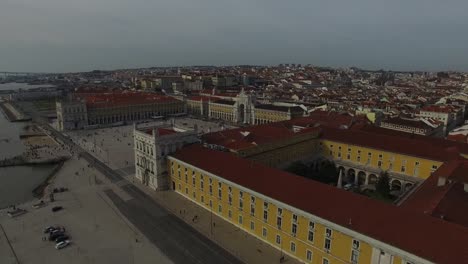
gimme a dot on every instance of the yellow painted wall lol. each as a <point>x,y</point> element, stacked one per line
<point>425,167</point>
<point>341,245</point>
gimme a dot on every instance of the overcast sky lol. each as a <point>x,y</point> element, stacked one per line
<point>82,35</point>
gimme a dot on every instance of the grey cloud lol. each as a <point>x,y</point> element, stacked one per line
<point>67,35</point>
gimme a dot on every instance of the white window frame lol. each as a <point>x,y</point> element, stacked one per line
<point>292,247</point>
<point>278,239</point>
<point>309,255</point>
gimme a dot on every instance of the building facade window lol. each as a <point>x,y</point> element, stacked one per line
<point>264,232</point>
<point>240,219</point>
<point>230,195</point>
<point>220,191</point>
<point>279,220</point>
<point>355,251</point>
<point>211,186</point>
<point>252,205</point>
<point>265,211</point>
<point>202,183</point>
<point>309,255</point>
<point>252,225</point>
<point>241,200</point>
<point>278,239</point>
<point>328,235</point>
<point>310,235</point>
<point>294,225</point>
<point>293,247</point>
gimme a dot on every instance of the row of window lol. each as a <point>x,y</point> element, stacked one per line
<point>380,160</point>
<point>252,210</point>
<point>142,162</point>
<point>144,147</point>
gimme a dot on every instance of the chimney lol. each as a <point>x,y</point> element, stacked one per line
<point>442,181</point>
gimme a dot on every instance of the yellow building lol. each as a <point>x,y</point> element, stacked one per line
<point>362,156</point>
<point>240,109</point>
<point>310,221</point>
<point>234,175</point>
<point>90,109</point>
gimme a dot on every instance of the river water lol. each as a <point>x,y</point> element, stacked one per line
<point>24,86</point>
<point>17,183</point>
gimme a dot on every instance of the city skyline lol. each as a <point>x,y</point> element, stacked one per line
<point>54,36</point>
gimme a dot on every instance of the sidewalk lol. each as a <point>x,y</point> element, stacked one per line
<point>244,246</point>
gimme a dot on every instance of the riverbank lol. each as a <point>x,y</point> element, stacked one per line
<point>23,161</point>
<point>39,191</point>
<point>12,114</point>
<point>98,232</point>
<point>40,150</point>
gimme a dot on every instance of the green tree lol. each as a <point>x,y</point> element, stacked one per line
<point>298,168</point>
<point>383,185</point>
<point>328,173</point>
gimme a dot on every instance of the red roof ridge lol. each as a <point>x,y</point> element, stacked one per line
<point>297,192</point>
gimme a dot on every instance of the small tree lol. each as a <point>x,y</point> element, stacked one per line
<point>383,185</point>
<point>298,168</point>
<point>327,173</point>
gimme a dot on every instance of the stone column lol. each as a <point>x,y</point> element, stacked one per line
<point>356,178</point>
<point>340,180</point>
<point>367,179</point>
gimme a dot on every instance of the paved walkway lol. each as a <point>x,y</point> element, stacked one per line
<point>241,244</point>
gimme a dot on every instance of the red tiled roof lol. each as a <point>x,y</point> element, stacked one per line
<point>449,201</point>
<point>458,137</point>
<point>410,231</point>
<point>241,138</point>
<point>200,98</point>
<point>439,108</point>
<point>441,143</point>
<point>128,98</point>
<point>331,119</point>
<point>416,123</point>
<point>395,144</point>
<point>162,131</point>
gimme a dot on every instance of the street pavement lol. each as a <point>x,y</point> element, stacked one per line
<point>177,240</point>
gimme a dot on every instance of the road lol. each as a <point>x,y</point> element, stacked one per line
<point>178,240</point>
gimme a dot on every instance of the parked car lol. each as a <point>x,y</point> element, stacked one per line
<point>55,235</point>
<point>52,229</point>
<point>48,229</point>
<point>62,244</point>
<point>39,205</point>
<point>348,186</point>
<point>61,238</point>
<point>56,208</point>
